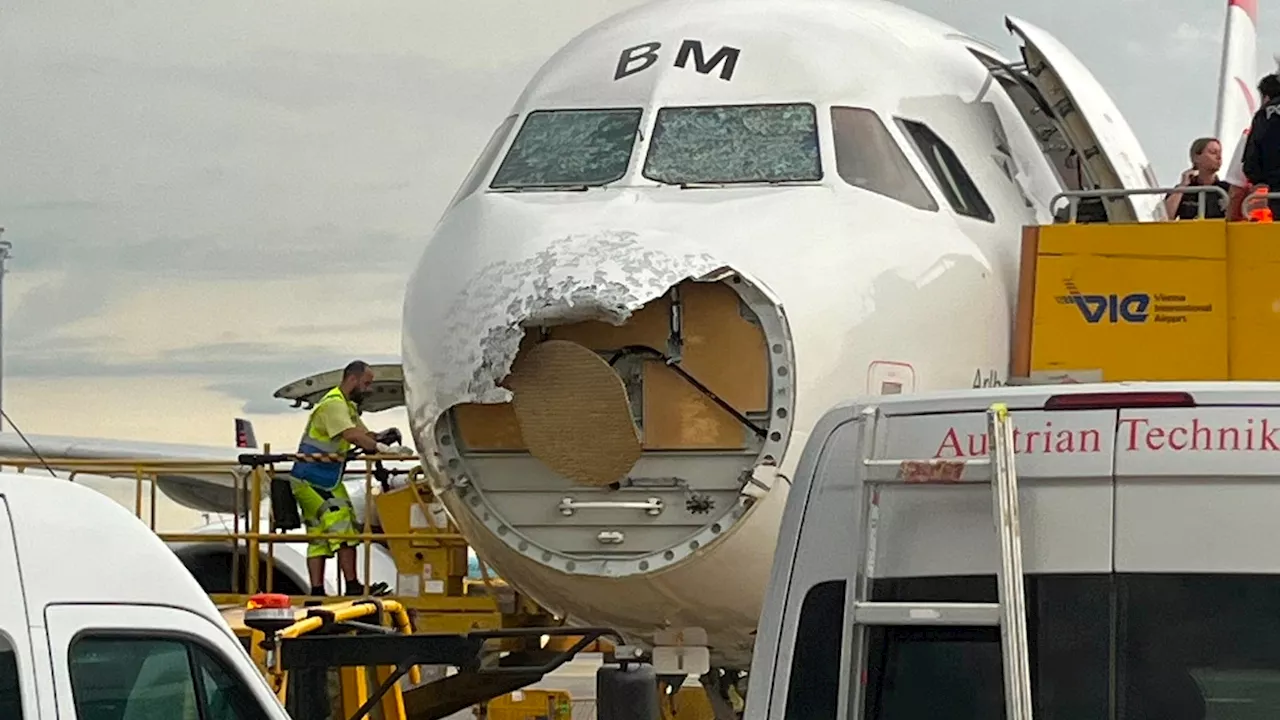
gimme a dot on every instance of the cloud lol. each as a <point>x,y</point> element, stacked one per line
<point>184,182</point>
<point>247,371</point>
<point>1186,34</point>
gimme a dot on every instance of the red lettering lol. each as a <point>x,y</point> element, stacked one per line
<point>1090,441</point>
<point>1222,438</point>
<point>978,444</point>
<point>1153,436</point>
<point>1133,430</point>
<point>950,441</point>
<point>1196,429</point>
<point>1031,438</point>
<point>1132,434</point>
<point>1066,442</point>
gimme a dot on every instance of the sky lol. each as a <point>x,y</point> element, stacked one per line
<point>180,179</point>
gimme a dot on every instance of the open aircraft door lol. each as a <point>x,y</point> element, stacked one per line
<point>386,393</point>
<point>1110,152</point>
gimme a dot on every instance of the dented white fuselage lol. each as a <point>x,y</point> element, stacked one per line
<point>874,250</point>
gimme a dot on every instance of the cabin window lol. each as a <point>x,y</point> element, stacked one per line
<point>472,182</point>
<point>122,678</point>
<point>10,688</point>
<point>948,172</point>
<point>814,687</point>
<point>727,144</point>
<point>569,148</point>
<point>867,157</point>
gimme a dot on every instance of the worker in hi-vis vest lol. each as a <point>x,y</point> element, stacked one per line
<point>333,427</point>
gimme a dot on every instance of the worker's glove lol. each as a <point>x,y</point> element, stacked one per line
<point>394,482</point>
<point>390,436</point>
<point>384,449</point>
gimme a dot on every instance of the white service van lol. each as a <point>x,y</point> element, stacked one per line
<point>120,633</point>
<point>1150,518</point>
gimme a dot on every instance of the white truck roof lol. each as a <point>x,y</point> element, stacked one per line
<point>77,545</point>
<point>1184,477</point>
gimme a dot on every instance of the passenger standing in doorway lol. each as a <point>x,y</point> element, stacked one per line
<point>1206,160</point>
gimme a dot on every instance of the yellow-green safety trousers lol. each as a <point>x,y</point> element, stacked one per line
<point>335,514</point>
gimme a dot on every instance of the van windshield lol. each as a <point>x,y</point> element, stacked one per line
<point>725,144</point>
<point>1182,646</point>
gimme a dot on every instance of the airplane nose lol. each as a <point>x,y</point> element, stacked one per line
<point>613,402</point>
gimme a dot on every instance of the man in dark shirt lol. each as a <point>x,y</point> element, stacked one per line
<point>1261,157</point>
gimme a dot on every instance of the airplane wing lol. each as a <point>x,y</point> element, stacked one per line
<point>210,489</point>
<point>207,489</point>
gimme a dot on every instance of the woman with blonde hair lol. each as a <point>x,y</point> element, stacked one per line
<point>1206,161</point>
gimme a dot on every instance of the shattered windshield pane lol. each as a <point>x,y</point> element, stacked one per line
<point>734,144</point>
<point>557,148</point>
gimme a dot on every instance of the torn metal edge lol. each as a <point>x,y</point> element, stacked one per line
<point>603,275</point>
<point>620,277</point>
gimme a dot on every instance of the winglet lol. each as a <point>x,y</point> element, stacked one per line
<point>244,434</point>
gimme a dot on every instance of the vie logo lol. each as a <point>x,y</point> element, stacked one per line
<point>1132,308</point>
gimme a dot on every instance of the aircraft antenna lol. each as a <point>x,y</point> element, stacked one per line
<point>5,248</point>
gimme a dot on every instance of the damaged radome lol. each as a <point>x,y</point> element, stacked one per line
<point>645,418</point>
<point>603,275</point>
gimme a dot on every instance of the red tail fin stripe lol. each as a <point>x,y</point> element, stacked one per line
<point>1250,8</point>
<point>1248,96</point>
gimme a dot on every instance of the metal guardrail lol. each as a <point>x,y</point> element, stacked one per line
<point>1074,197</point>
<point>1255,195</point>
<point>251,476</point>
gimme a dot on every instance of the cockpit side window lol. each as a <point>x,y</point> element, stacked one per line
<point>867,157</point>
<point>472,182</point>
<point>569,148</point>
<point>948,172</point>
<point>726,144</point>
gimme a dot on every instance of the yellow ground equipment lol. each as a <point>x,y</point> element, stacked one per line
<point>1184,300</point>
<point>491,634</point>
<point>687,703</point>
<point>348,659</point>
<point>528,705</point>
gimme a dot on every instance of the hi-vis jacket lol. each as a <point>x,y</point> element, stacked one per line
<point>323,475</point>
